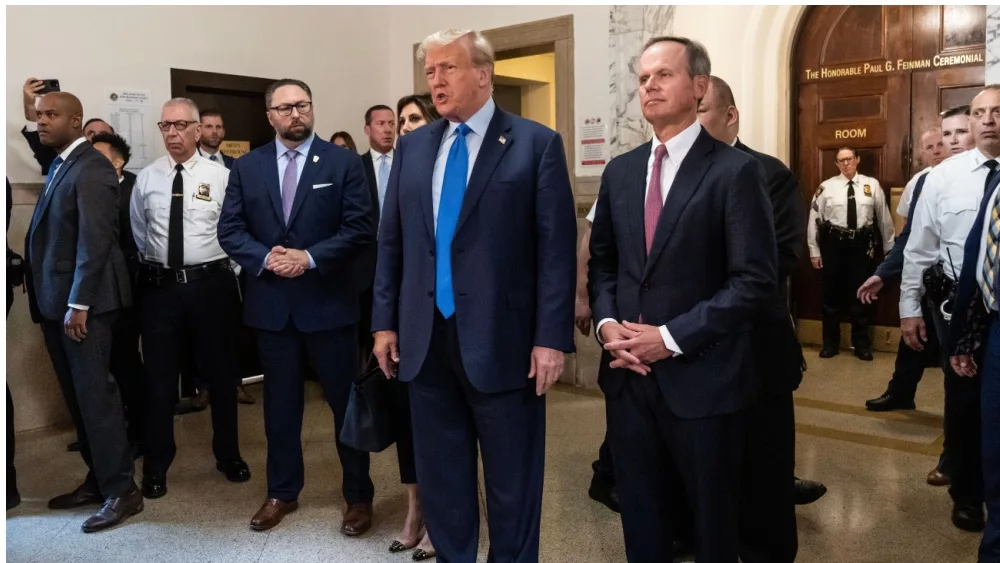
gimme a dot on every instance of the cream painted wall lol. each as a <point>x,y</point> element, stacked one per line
<point>330,47</point>
<point>538,102</point>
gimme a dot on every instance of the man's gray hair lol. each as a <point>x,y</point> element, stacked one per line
<point>698,61</point>
<point>196,115</point>
<point>480,50</point>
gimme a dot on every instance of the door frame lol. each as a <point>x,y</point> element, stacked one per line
<point>557,32</point>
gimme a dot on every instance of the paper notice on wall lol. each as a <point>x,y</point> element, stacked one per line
<point>129,112</point>
<point>593,142</point>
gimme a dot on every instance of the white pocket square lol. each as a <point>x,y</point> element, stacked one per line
<point>318,186</point>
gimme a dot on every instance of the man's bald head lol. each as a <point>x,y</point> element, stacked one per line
<point>60,119</point>
<point>717,111</point>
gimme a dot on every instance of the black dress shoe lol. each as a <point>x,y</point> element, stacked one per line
<point>13,498</point>
<point>603,491</point>
<point>73,446</point>
<point>828,352</point>
<point>154,486</point>
<point>83,495</point>
<point>968,517</point>
<point>236,470</point>
<point>808,492</point>
<point>864,355</point>
<point>115,511</point>
<point>890,402</point>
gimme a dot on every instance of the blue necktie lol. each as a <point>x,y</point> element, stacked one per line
<point>213,159</point>
<point>383,179</point>
<point>53,168</point>
<point>456,176</point>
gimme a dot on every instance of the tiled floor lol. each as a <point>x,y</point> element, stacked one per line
<point>878,509</point>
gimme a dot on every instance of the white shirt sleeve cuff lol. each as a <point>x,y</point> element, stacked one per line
<point>909,309</point>
<point>79,307</point>
<point>312,263</point>
<point>597,331</point>
<point>669,342</point>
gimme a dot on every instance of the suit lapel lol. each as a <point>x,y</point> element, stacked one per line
<point>635,186</point>
<point>316,158</point>
<point>369,164</point>
<point>490,153</point>
<point>50,189</point>
<point>269,167</point>
<point>425,176</point>
<point>685,184</point>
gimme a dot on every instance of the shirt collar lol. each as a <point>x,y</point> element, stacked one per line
<point>680,144</point>
<point>72,147</point>
<point>479,122</point>
<point>217,154</point>
<point>736,140</point>
<point>302,149</point>
<point>377,155</point>
<point>188,165</point>
<point>978,158</point>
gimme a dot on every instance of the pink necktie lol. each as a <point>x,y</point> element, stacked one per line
<point>654,196</point>
<point>289,184</point>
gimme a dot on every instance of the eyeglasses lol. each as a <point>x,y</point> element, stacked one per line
<point>286,110</point>
<point>179,125</point>
<point>847,160</point>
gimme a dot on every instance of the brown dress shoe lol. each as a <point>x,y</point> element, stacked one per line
<point>357,520</point>
<point>271,513</point>
<point>82,496</point>
<point>937,479</point>
<point>244,398</point>
<point>115,511</point>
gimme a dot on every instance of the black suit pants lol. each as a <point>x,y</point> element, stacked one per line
<point>94,401</point>
<point>846,265</point>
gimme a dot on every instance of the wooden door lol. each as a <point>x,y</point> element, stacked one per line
<point>874,78</point>
<point>240,100</point>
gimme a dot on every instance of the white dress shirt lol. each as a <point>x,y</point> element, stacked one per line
<point>903,208</point>
<point>677,148</point>
<point>204,151</point>
<point>830,204</point>
<point>941,222</point>
<point>64,155</point>
<point>377,165</point>
<point>478,124</point>
<point>150,209</point>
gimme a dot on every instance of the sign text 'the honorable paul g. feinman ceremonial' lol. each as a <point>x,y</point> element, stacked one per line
<point>898,65</point>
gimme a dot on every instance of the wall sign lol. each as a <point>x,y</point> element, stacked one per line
<point>896,66</point>
<point>235,149</point>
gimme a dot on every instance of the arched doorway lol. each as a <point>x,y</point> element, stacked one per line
<point>874,78</point>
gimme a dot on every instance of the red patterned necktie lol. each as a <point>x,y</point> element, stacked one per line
<point>654,196</point>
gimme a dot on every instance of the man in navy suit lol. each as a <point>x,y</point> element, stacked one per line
<point>474,298</point>
<point>296,217</point>
<point>683,260</point>
<point>974,334</point>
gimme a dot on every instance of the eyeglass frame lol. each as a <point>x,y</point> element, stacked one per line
<point>289,107</point>
<point>847,160</point>
<point>175,124</point>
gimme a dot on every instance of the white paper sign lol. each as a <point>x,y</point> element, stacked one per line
<point>129,114</point>
<point>593,142</point>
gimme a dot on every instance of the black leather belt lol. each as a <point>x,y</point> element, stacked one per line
<point>847,234</point>
<point>159,276</point>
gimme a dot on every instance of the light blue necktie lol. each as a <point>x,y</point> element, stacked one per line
<point>213,159</point>
<point>53,168</point>
<point>383,179</point>
<point>456,176</point>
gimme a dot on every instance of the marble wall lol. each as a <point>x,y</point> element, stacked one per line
<point>629,29</point>
<point>992,44</point>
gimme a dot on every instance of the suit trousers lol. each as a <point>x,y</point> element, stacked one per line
<point>846,265</point>
<point>989,375</point>
<point>450,417</point>
<point>653,450</point>
<point>171,316</point>
<point>283,356</point>
<point>94,401</point>
<point>910,364</point>
<point>768,532</point>
<point>962,432</point>
<point>128,371</point>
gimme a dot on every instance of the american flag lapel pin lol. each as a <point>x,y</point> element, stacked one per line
<point>503,140</point>
<point>315,158</point>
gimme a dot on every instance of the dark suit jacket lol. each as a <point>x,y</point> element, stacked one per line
<point>72,243</point>
<point>126,238</point>
<point>776,346</point>
<point>331,219</point>
<point>968,325</point>
<point>43,155</point>
<point>227,160</point>
<point>366,264</point>
<point>513,257</point>
<point>710,272</point>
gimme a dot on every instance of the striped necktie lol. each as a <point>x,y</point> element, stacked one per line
<point>988,285</point>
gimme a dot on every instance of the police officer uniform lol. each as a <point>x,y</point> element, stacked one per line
<point>846,220</point>
<point>188,295</point>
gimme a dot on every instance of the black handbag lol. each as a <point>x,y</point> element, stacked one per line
<point>368,421</point>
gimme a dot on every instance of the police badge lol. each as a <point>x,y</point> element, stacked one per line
<point>204,192</point>
<point>868,190</point>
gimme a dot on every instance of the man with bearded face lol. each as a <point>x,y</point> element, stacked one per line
<point>297,216</point>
